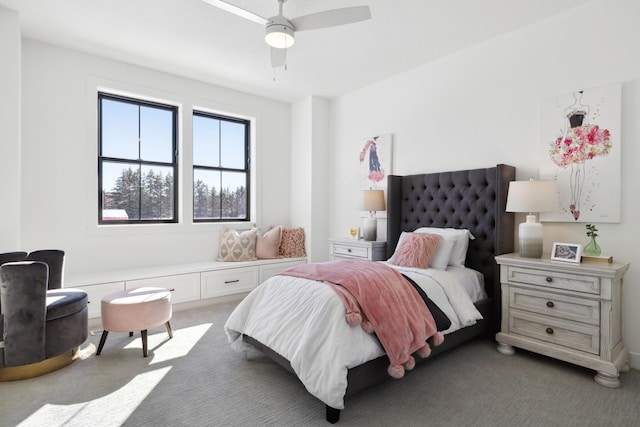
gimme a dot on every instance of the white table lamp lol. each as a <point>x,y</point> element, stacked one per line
<point>531,197</point>
<point>371,201</point>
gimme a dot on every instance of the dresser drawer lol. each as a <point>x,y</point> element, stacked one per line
<point>228,282</point>
<point>556,280</point>
<point>183,287</point>
<point>560,306</point>
<point>577,336</point>
<point>350,251</point>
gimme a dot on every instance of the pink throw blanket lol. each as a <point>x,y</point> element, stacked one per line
<point>382,301</point>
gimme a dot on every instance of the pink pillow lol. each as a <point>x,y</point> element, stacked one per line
<point>292,243</point>
<point>268,245</point>
<point>415,250</point>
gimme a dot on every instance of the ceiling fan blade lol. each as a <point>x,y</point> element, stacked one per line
<point>331,18</point>
<point>237,11</point>
<point>278,57</point>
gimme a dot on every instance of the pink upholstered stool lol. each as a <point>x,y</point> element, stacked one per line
<point>137,309</point>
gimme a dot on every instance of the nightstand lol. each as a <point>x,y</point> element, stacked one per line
<point>357,249</point>
<point>571,312</point>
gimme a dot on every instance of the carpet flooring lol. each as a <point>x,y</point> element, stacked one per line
<point>195,379</point>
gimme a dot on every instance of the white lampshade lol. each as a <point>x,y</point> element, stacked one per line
<point>531,197</point>
<point>371,201</point>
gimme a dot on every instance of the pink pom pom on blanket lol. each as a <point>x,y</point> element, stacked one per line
<point>409,364</point>
<point>437,339</point>
<point>395,371</point>
<point>425,351</point>
<point>354,319</point>
<point>367,326</point>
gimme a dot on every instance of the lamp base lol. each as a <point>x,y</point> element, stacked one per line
<point>370,229</point>
<point>530,237</point>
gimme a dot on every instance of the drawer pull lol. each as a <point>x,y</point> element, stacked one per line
<point>226,282</point>
<point>549,279</point>
<point>550,331</point>
<point>349,250</point>
<point>550,304</point>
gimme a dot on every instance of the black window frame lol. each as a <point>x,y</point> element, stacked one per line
<point>246,170</point>
<point>141,163</point>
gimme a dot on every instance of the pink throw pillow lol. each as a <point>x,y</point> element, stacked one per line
<point>415,250</point>
<point>292,243</point>
<point>268,245</point>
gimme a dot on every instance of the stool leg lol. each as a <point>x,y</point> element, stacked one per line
<point>103,339</point>
<point>168,325</point>
<point>144,342</point>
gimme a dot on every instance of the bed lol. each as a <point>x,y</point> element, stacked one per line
<point>472,200</point>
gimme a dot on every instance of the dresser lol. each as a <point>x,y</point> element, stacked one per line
<point>357,249</point>
<point>568,311</point>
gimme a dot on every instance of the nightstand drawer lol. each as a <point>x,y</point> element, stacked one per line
<point>561,306</point>
<point>573,335</point>
<point>350,251</point>
<point>552,279</point>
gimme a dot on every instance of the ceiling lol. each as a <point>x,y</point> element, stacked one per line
<point>193,39</point>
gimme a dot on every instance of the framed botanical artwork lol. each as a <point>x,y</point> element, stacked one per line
<point>570,252</point>
<point>581,152</point>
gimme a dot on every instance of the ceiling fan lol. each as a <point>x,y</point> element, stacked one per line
<point>280,31</point>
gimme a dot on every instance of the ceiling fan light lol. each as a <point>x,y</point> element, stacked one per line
<point>279,36</point>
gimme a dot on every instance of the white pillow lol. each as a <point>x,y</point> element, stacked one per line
<point>441,258</point>
<point>462,236</point>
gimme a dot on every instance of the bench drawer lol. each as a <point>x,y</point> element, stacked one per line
<point>228,282</point>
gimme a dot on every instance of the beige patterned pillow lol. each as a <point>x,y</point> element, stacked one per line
<point>236,246</point>
<point>292,243</point>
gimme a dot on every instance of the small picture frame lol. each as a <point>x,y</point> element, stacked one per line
<point>354,233</point>
<point>569,252</point>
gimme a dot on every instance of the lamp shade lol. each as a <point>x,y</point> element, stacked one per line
<point>532,196</point>
<point>372,200</point>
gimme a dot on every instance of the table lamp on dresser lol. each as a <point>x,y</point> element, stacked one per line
<point>531,197</point>
<point>371,201</point>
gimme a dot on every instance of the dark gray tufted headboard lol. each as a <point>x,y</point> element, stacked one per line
<point>472,199</point>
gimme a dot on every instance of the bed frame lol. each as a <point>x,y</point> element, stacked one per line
<point>472,199</point>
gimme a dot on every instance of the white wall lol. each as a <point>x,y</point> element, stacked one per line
<point>59,164</point>
<point>480,107</point>
<point>9,130</point>
<point>310,183</point>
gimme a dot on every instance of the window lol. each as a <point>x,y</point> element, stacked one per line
<point>137,161</point>
<point>220,168</point>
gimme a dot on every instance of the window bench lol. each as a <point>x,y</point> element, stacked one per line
<point>192,285</point>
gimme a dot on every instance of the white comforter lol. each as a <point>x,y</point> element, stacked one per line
<point>304,321</point>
